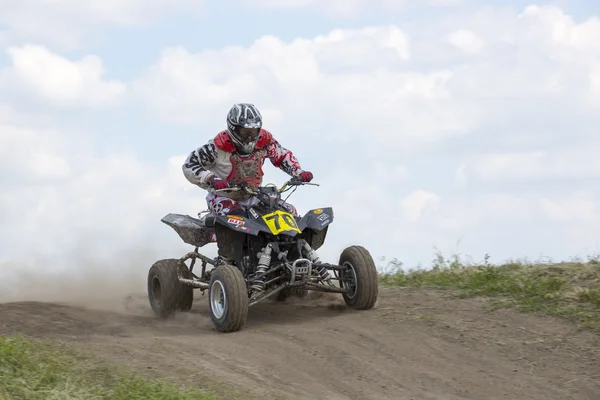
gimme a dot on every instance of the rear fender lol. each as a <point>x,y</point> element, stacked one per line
<point>190,230</point>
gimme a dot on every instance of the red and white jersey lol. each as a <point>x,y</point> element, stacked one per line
<point>219,157</point>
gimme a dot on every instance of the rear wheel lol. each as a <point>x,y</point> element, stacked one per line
<point>228,298</point>
<point>187,295</point>
<point>360,276</point>
<point>165,293</point>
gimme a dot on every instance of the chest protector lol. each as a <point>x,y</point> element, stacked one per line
<point>247,169</point>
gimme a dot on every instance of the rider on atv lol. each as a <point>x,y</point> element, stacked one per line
<point>236,156</point>
<point>264,252</point>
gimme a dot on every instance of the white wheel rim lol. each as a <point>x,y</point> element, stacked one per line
<point>218,299</point>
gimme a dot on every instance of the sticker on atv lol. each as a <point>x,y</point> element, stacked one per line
<point>280,221</point>
<point>235,221</point>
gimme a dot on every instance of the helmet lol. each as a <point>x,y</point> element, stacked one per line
<point>244,123</point>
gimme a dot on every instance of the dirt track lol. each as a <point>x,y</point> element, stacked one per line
<point>414,345</point>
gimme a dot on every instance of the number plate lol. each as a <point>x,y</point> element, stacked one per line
<point>280,221</point>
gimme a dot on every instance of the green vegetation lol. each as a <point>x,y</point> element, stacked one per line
<point>31,370</point>
<point>567,289</point>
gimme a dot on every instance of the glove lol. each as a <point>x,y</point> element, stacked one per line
<point>218,183</point>
<point>306,176</point>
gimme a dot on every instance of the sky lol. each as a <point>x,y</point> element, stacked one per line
<point>460,125</point>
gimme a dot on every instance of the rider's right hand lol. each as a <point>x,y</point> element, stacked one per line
<point>218,183</point>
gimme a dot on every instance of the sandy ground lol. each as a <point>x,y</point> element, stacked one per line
<point>416,344</point>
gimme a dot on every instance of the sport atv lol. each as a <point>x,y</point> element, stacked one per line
<point>264,252</point>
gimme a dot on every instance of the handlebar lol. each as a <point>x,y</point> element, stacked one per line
<point>295,181</point>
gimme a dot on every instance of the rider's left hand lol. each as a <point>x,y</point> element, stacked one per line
<point>306,176</point>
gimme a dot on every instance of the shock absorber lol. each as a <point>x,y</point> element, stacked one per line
<point>314,258</point>
<point>264,260</point>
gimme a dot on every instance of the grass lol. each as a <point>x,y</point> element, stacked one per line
<point>32,370</point>
<point>567,289</point>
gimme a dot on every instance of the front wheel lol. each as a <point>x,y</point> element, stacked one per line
<point>228,298</point>
<point>360,276</point>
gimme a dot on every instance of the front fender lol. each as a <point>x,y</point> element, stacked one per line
<point>316,219</point>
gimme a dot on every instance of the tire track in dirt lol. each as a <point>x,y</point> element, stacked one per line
<point>416,344</point>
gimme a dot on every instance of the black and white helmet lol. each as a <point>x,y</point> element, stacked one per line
<point>244,123</point>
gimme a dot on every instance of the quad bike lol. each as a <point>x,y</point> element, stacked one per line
<point>264,252</point>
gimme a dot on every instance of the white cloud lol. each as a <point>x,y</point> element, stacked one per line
<point>571,162</point>
<point>355,81</point>
<point>351,8</point>
<point>595,79</point>
<point>465,40</point>
<point>578,207</point>
<point>380,80</point>
<point>35,153</point>
<point>595,85</point>
<point>562,29</point>
<point>68,23</point>
<point>28,154</point>
<point>415,203</point>
<point>59,81</point>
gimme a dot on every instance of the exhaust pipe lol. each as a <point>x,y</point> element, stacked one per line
<point>193,283</point>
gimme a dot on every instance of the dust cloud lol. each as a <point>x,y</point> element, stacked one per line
<point>79,278</point>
